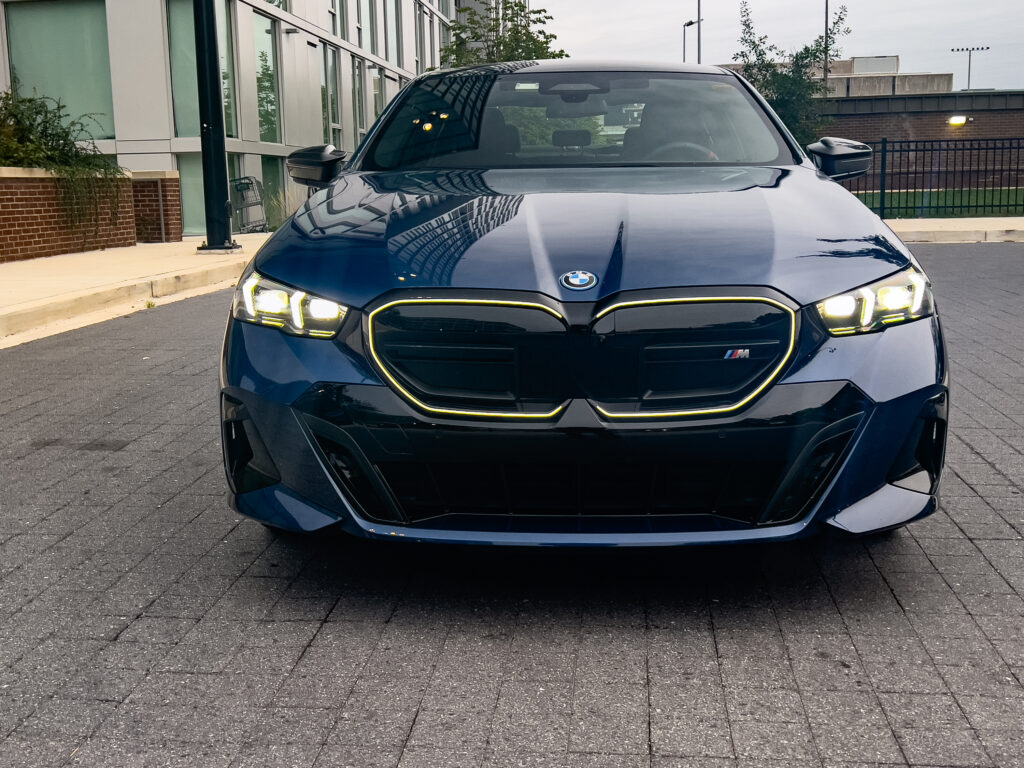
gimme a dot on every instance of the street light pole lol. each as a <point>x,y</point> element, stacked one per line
<point>699,20</point>
<point>211,132</point>
<point>690,23</point>
<point>970,53</point>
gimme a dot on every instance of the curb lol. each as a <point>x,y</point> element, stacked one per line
<point>26,317</point>
<point>963,236</point>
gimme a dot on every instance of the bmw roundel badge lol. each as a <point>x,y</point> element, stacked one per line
<point>578,280</point>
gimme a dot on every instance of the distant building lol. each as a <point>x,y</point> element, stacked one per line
<point>881,76</point>
<point>870,99</point>
<point>481,6</point>
<point>876,76</point>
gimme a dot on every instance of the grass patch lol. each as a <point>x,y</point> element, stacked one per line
<point>947,203</point>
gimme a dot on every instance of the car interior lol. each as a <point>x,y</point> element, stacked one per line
<point>569,119</point>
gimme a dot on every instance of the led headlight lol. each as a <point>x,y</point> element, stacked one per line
<point>898,299</point>
<point>264,302</point>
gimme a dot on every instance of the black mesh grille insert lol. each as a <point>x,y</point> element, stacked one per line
<point>765,469</point>
<point>430,489</point>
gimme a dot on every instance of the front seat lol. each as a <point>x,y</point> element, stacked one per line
<point>497,141</point>
<point>664,123</point>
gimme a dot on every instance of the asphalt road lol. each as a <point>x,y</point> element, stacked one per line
<point>144,624</point>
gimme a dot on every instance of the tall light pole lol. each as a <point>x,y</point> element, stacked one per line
<point>970,52</point>
<point>699,20</point>
<point>216,202</point>
<point>690,23</point>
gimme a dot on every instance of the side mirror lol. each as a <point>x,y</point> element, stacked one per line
<point>315,166</point>
<point>840,159</point>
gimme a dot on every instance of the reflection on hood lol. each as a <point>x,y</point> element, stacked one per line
<point>874,246</point>
<point>633,227</point>
<point>427,228</point>
<point>378,205</point>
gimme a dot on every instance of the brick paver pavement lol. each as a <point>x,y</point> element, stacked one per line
<point>144,624</point>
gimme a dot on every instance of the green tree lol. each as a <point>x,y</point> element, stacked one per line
<point>509,32</point>
<point>791,83</point>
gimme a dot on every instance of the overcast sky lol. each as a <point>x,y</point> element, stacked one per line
<point>921,32</point>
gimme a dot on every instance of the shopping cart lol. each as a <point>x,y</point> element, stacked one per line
<point>247,203</point>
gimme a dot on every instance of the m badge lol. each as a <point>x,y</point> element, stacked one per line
<point>736,354</point>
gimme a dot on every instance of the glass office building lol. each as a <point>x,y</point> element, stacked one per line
<point>293,73</point>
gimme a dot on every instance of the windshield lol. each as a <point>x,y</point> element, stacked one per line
<point>483,119</point>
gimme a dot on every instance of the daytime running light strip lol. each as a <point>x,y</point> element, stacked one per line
<point>703,411</point>
<point>609,414</point>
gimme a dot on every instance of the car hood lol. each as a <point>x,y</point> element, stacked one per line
<point>786,228</point>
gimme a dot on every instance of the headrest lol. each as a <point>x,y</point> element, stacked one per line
<point>571,138</point>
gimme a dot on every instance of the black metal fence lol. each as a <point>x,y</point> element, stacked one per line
<point>944,178</point>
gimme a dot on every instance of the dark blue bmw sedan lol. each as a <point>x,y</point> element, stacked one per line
<point>553,303</point>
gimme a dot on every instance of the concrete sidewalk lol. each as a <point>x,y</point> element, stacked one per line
<point>994,229</point>
<point>59,293</point>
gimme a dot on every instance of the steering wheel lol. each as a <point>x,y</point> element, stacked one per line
<point>669,151</point>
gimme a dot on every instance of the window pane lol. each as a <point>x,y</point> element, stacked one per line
<point>282,4</point>
<point>420,41</point>
<point>225,45</point>
<point>343,19</point>
<point>335,100</point>
<point>273,191</point>
<point>378,91</point>
<point>267,101</point>
<point>358,97</point>
<point>193,210</point>
<point>473,120</point>
<point>368,20</point>
<point>325,101</point>
<point>393,11</point>
<point>433,44</point>
<point>184,81</point>
<point>58,48</point>
<point>235,171</point>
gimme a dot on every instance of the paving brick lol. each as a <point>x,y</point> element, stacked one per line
<point>142,623</point>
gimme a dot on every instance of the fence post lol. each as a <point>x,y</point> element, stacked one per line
<point>881,179</point>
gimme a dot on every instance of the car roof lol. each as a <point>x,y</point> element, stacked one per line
<point>589,65</point>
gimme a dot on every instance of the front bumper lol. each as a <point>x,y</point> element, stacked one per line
<point>851,436</point>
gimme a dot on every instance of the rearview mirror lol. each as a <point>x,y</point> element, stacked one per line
<point>840,159</point>
<point>315,166</point>
<point>573,109</point>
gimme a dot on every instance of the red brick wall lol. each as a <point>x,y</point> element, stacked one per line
<point>32,223</point>
<point>927,125</point>
<point>152,197</point>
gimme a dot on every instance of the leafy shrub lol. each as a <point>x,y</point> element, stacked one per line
<point>37,132</point>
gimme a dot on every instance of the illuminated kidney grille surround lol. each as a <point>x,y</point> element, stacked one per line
<point>608,310</point>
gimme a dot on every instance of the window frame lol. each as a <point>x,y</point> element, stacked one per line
<point>359,125</point>
<point>331,74</point>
